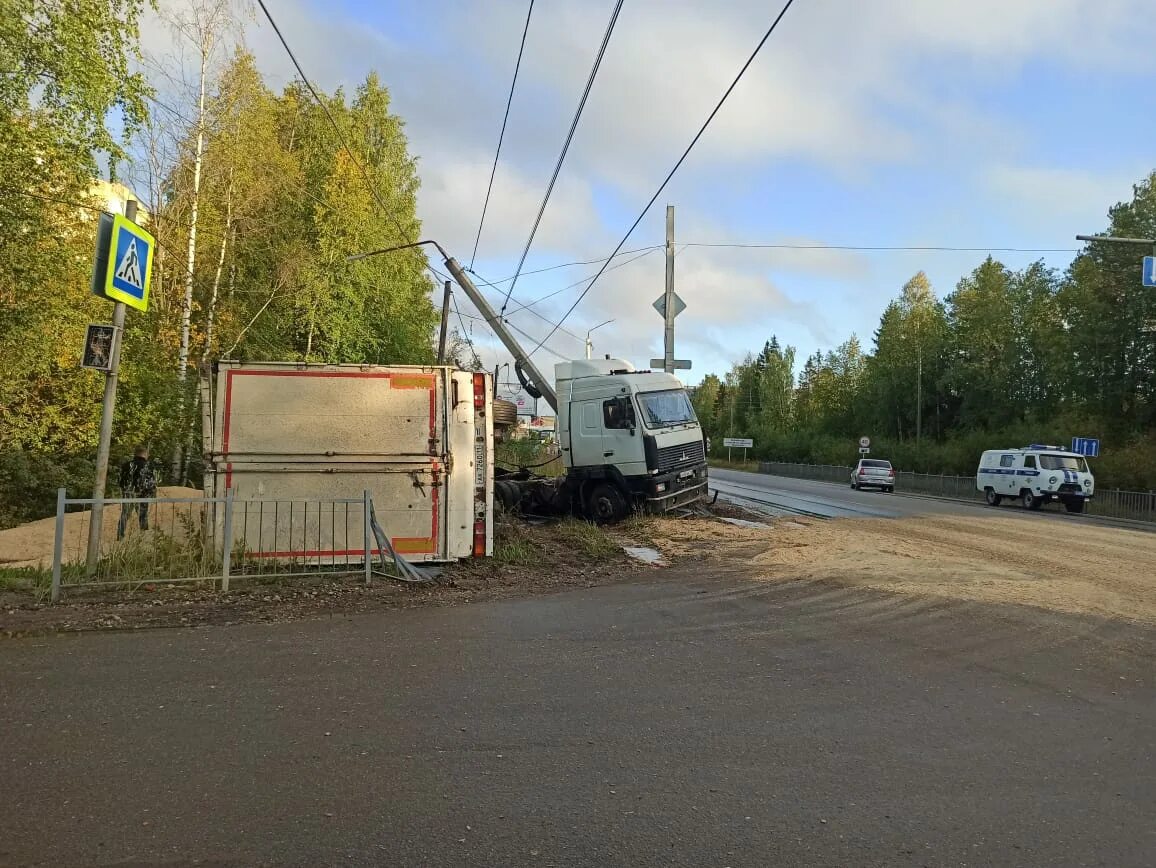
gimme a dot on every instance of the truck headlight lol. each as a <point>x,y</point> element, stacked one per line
<point>660,487</point>
<point>1052,481</point>
<point>1087,483</point>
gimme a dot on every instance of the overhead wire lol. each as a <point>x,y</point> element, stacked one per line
<point>502,134</point>
<point>886,248</point>
<point>565,148</point>
<point>677,165</point>
<point>524,307</point>
<point>646,252</point>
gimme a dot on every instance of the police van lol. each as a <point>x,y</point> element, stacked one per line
<point>1035,475</point>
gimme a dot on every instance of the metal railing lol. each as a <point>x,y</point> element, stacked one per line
<point>1108,502</point>
<point>162,540</point>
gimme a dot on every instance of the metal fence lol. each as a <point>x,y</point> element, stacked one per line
<point>1108,502</point>
<point>212,540</point>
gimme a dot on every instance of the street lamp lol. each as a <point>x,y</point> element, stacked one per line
<point>590,346</point>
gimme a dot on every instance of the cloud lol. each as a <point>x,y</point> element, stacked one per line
<point>1061,196</point>
<point>844,90</point>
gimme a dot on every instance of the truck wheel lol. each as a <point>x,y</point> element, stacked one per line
<point>991,497</point>
<point>1076,506</point>
<point>606,505</point>
<point>1030,501</point>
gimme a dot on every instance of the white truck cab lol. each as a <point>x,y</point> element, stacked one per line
<point>628,437</point>
<point>1036,475</point>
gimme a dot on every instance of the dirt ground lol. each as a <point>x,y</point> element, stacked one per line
<point>1083,569</point>
<point>1101,571</point>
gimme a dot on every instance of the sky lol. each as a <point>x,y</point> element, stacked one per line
<point>894,123</point>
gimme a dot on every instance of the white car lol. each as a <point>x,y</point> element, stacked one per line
<point>873,473</point>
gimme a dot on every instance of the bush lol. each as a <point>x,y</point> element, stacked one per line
<point>28,484</point>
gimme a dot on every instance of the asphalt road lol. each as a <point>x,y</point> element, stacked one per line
<point>838,500</point>
<point>700,721</point>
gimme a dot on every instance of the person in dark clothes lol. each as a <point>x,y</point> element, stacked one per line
<point>136,480</point>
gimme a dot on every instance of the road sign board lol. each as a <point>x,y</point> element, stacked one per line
<point>864,450</point>
<point>679,364</point>
<point>864,442</point>
<point>1149,275</point>
<point>1087,446</point>
<point>660,305</point>
<point>739,442</point>
<point>98,343</point>
<point>123,261</point>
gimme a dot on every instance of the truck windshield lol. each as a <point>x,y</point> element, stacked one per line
<point>1063,462</point>
<point>661,409</point>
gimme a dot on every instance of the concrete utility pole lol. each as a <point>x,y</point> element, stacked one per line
<point>668,336</point>
<point>445,325</point>
<point>107,409</point>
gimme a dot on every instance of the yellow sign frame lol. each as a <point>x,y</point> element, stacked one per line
<point>109,289</point>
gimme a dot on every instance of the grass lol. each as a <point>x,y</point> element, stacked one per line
<point>749,466</point>
<point>586,538</point>
<point>639,527</point>
<point>24,579</point>
<point>516,553</point>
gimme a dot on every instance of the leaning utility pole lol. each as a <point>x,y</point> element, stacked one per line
<point>669,313</point>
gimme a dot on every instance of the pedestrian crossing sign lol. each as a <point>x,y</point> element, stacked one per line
<point>126,262</point>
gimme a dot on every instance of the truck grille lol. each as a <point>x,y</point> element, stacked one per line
<point>1069,487</point>
<point>676,457</point>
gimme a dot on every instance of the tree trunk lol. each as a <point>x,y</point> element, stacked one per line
<point>191,261</point>
<point>211,311</point>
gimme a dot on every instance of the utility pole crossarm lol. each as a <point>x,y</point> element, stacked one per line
<point>1115,239</point>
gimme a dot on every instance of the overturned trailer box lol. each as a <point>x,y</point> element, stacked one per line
<point>298,446</point>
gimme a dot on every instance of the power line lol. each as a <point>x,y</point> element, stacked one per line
<point>929,249</point>
<point>645,252</point>
<point>336,128</point>
<point>662,186</point>
<point>523,307</point>
<point>579,262</point>
<point>565,148</point>
<point>502,134</point>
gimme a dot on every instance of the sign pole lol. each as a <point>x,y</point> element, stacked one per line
<point>669,314</point>
<point>104,445</point>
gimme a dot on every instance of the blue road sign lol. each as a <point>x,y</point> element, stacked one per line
<point>1149,271</point>
<point>1087,446</point>
<point>125,253</point>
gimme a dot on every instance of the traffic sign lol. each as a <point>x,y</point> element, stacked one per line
<point>679,364</point>
<point>739,442</point>
<point>660,305</point>
<point>864,450</point>
<point>1148,278</point>
<point>864,442</point>
<point>124,257</point>
<point>1086,446</point>
<point>98,342</point>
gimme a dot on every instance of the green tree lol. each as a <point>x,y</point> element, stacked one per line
<point>1108,317</point>
<point>64,74</point>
